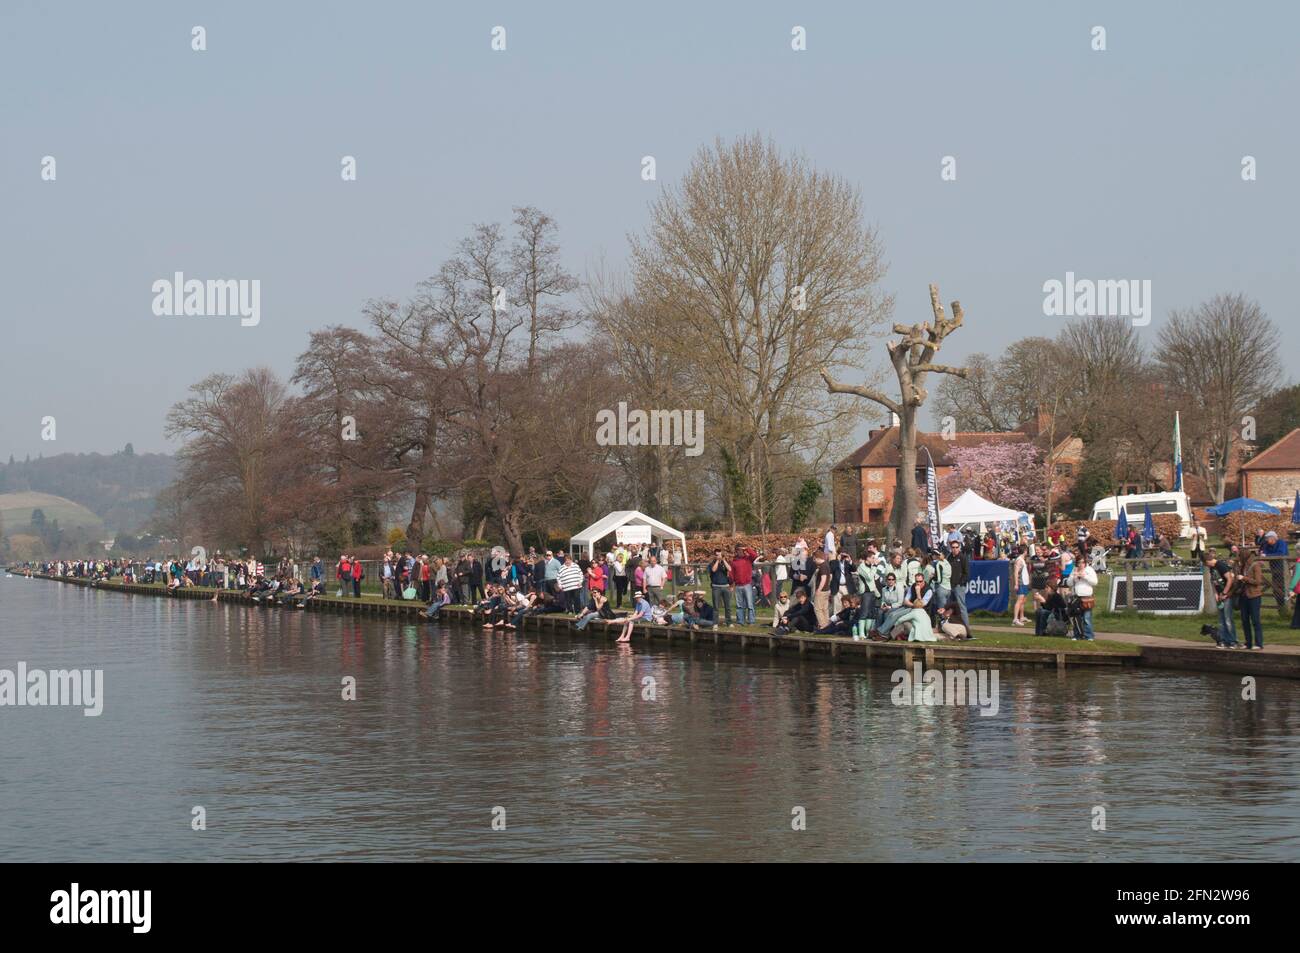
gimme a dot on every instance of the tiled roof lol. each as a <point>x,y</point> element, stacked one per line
<point>1283,455</point>
<point>882,449</point>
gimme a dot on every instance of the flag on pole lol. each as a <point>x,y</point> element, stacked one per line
<point>1178,456</point>
<point>931,499</point>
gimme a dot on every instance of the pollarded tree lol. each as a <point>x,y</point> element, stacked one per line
<point>912,357</point>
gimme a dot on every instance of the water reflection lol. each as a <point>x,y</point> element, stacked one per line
<point>241,711</point>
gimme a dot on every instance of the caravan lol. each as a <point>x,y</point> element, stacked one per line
<point>1136,504</point>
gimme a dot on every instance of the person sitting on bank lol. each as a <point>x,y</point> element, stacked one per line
<point>950,626</point>
<point>699,614</point>
<point>841,623</point>
<point>780,608</point>
<point>441,597</point>
<point>800,617</point>
<point>642,612</point>
<point>911,621</point>
<point>1049,604</point>
<point>508,602</point>
<point>664,611</point>
<point>597,608</point>
<point>317,589</point>
<point>892,596</point>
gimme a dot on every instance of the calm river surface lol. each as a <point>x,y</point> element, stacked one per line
<point>240,711</point>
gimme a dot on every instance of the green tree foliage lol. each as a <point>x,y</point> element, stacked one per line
<point>809,493</point>
<point>1094,483</point>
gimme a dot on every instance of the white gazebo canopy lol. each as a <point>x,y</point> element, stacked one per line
<point>970,507</point>
<point>586,540</point>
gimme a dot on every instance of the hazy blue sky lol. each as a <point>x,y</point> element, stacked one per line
<point>225,163</point>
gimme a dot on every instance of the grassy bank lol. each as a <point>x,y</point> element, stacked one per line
<point>1012,638</point>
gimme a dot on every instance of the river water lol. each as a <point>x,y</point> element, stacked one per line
<point>239,711</point>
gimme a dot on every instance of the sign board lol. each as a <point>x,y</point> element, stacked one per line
<point>1161,595</point>
<point>632,535</point>
<point>989,583</point>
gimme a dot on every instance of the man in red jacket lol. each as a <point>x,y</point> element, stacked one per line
<point>742,579</point>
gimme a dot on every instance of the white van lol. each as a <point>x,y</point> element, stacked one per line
<point>1136,504</point>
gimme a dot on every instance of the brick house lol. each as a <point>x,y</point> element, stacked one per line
<point>1274,474</point>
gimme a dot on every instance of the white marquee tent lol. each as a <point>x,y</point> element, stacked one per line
<point>586,540</point>
<point>970,507</point>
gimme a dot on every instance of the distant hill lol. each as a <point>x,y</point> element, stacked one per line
<point>16,510</point>
<point>117,488</point>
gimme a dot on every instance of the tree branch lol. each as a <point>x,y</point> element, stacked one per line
<point>939,369</point>
<point>870,393</point>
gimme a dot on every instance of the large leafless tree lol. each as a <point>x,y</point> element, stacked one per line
<point>1221,360</point>
<point>768,273</point>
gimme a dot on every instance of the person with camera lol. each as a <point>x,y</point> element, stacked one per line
<point>1085,584</point>
<point>1224,580</point>
<point>1049,616</point>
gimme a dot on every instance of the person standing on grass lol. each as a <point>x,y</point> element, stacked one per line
<point>655,577</point>
<point>1020,573</point>
<point>821,599</point>
<point>941,580</point>
<point>742,576</point>
<point>960,579</point>
<point>388,574</point>
<point>780,573</point>
<point>426,578</point>
<point>569,580</point>
<point>800,574</point>
<point>596,580</point>
<point>1224,580</point>
<point>1294,587</point>
<point>921,535</point>
<point>1250,582</point>
<point>720,583</point>
<point>1085,584</point>
<point>1275,551</point>
<point>618,564</point>
<point>343,573</point>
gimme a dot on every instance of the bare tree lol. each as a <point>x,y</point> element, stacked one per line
<point>1220,357</point>
<point>912,357</point>
<point>633,329</point>
<point>768,273</point>
<point>237,461</point>
<point>540,280</point>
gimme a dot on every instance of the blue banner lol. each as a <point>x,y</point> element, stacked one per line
<point>989,580</point>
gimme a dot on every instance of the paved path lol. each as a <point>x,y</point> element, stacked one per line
<point>1161,640</point>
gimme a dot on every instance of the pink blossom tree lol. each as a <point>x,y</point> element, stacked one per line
<point>1009,474</point>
